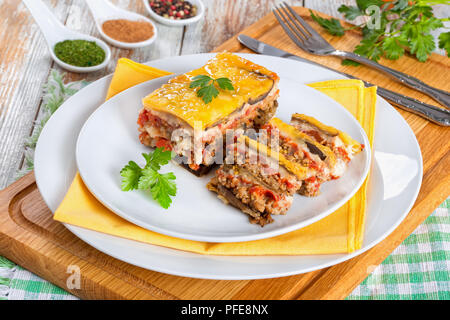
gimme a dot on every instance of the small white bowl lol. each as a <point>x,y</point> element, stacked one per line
<point>103,10</point>
<point>54,32</point>
<point>177,23</point>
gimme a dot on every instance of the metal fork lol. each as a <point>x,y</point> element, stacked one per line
<point>309,40</point>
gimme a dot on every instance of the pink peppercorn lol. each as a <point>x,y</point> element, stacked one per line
<point>173,9</point>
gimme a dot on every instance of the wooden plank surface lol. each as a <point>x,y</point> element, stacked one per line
<point>25,63</point>
<point>24,68</point>
<point>30,237</point>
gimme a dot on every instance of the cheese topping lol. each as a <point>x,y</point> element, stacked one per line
<point>346,139</point>
<point>296,135</point>
<point>250,81</point>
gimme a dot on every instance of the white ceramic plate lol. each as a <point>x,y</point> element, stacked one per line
<point>109,139</point>
<point>394,184</point>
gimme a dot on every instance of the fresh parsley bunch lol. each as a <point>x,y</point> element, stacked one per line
<point>405,25</point>
<point>207,85</point>
<point>161,186</point>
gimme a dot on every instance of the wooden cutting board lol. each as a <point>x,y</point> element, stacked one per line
<point>30,237</point>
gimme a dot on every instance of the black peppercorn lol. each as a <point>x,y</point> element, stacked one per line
<point>173,9</point>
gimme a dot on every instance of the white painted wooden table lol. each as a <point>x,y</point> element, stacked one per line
<point>25,63</point>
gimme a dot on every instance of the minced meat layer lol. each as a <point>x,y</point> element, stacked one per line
<point>253,193</point>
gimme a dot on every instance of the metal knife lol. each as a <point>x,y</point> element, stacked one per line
<point>427,111</point>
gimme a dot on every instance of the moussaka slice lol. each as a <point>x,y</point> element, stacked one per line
<point>177,118</point>
<point>343,146</point>
<point>257,180</point>
<point>304,150</point>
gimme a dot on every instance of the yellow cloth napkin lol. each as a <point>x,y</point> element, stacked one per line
<point>129,73</point>
<point>340,232</point>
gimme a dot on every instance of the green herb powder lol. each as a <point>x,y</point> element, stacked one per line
<point>80,53</point>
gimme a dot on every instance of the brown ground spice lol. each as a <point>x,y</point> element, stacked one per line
<point>127,30</point>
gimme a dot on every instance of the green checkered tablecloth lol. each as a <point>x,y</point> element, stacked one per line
<point>418,269</point>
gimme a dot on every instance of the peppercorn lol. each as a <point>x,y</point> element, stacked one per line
<point>173,9</point>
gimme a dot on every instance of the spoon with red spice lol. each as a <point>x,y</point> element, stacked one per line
<point>122,28</point>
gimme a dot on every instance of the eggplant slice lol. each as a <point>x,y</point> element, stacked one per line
<point>228,197</point>
<point>204,170</point>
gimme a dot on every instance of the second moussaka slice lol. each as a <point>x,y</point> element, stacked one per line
<point>343,146</point>
<point>257,180</point>
<point>300,148</point>
<point>176,118</point>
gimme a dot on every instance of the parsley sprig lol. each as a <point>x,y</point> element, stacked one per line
<point>161,186</point>
<point>333,26</point>
<point>208,90</point>
<point>405,26</point>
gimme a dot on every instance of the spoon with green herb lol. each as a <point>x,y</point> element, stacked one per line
<point>71,50</point>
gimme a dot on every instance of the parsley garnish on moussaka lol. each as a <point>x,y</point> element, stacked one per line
<point>236,94</point>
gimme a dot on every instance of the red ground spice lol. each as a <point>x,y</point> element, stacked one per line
<point>127,30</point>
